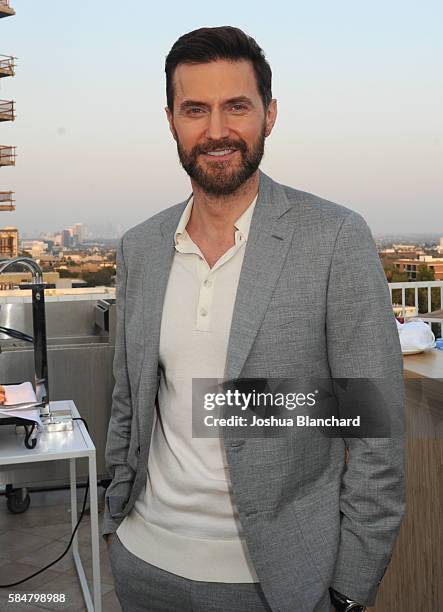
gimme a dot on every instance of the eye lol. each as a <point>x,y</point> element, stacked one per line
<point>238,108</point>
<point>195,110</point>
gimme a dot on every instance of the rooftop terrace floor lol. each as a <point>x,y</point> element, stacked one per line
<point>33,539</point>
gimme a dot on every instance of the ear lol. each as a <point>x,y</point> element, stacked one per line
<point>270,117</point>
<point>171,122</point>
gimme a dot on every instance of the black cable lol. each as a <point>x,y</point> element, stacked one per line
<point>29,430</point>
<point>13,584</point>
<point>15,333</point>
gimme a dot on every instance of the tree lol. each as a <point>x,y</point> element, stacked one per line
<point>102,277</point>
<point>67,273</point>
<point>393,275</point>
<point>427,274</point>
<point>424,273</point>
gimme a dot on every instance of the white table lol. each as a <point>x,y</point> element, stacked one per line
<point>64,445</point>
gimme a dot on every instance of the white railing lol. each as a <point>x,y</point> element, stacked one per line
<point>411,311</point>
<point>414,286</point>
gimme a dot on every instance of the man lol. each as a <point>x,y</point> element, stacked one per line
<point>245,279</point>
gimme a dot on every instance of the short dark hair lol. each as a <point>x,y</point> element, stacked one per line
<point>210,44</point>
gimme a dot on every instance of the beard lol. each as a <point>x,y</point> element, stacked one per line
<point>218,177</point>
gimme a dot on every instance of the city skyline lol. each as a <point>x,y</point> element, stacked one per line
<point>359,110</point>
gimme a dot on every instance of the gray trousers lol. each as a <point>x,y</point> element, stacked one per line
<point>142,587</point>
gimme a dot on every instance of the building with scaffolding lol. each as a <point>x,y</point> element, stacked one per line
<point>7,66</point>
<point>8,235</point>
<point>8,242</point>
<point>6,9</point>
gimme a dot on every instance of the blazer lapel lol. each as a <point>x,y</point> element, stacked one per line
<point>266,249</point>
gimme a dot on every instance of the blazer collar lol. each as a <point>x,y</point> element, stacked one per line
<point>271,204</point>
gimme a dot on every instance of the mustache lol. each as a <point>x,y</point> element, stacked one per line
<point>216,145</point>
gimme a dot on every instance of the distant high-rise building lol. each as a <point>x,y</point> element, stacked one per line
<point>8,242</point>
<point>66,238</point>
<point>79,231</point>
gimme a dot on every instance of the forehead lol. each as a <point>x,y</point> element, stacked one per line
<point>218,80</point>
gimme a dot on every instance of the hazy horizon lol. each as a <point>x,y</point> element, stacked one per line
<point>358,89</point>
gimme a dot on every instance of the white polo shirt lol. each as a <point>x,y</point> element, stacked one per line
<point>185,520</point>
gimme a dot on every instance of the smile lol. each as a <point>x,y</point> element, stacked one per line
<point>221,152</point>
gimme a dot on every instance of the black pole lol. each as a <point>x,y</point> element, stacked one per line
<point>40,349</point>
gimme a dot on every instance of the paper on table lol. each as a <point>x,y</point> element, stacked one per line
<point>20,394</point>
<point>30,415</point>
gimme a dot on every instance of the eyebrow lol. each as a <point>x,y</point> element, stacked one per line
<point>237,100</point>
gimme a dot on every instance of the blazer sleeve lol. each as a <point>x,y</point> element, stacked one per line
<point>119,430</point>
<point>363,342</point>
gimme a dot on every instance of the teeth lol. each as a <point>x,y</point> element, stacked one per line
<point>219,153</point>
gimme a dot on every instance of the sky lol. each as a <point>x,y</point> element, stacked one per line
<point>359,89</point>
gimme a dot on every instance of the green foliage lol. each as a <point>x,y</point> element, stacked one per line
<point>424,273</point>
<point>67,273</point>
<point>394,276</point>
<point>102,277</point>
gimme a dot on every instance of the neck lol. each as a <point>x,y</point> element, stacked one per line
<point>214,216</point>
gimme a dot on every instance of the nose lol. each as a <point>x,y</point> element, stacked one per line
<point>217,127</point>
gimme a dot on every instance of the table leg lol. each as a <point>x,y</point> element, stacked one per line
<point>77,560</point>
<point>94,532</point>
<point>74,519</point>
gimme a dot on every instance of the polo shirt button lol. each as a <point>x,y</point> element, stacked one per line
<point>207,283</point>
<point>203,312</point>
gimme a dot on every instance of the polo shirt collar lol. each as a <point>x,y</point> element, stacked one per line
<point>243,223</point>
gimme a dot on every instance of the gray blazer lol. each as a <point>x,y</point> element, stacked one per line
<point>312,300</point>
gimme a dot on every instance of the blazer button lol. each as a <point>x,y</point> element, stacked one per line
<point>138,450</point>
